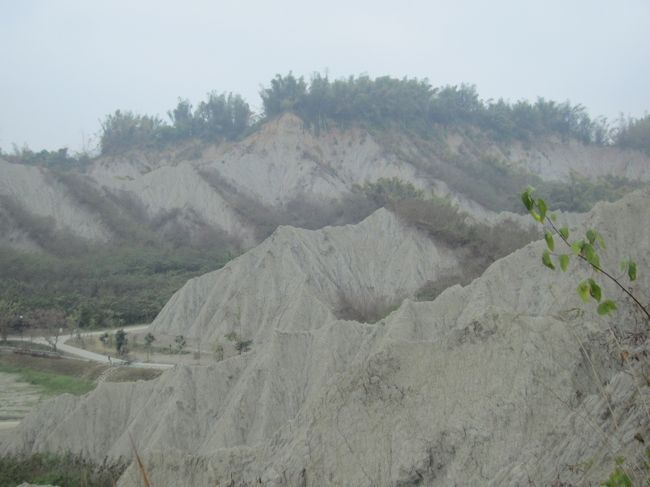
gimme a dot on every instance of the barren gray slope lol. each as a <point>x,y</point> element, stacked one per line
<point>281,163</point>
<point>284,294</point>
<point>487,385</point>
<point>240,401</point>
<point>44,197</point>
<point>298,279</point>
<point>555,159</point>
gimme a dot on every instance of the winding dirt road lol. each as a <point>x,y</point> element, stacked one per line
<point>96,357</point>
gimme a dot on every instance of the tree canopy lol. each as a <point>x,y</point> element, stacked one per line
<point>634,134</point>
<point>220,116</point>
<point>413,103</point>
<point>382,102</point>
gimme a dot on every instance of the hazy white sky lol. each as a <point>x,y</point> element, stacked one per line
<point>66,63</point>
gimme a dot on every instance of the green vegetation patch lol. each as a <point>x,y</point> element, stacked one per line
<point>494,183</point>
<point>52,384</point>
<point>387,190</point>
<point>634,134</point>
<point>478,243</point>
<point>132,374</point>
<point>491,182</point>
<point>406,103</point>
<point>26,345</point>
<point>57,469</point>
<point>414,104</point>
<point>481,243</point>
<point>53,375</point>
<point>104,287</point>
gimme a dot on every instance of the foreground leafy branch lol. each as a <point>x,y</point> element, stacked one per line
<point>585,249</point>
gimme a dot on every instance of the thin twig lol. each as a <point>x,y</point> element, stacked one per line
<point>600,269</point>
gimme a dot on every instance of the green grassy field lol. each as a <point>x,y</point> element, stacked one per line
<point>52,376</point>
<point>25,344</point>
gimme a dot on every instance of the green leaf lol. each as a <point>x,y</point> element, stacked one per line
<point>564,232</point>
<point>606,307</point>
<point>548,236</point>
<point>546,260</point>
<point>526,198</point>
<point>601,241</point>
<point>590,254</point>
<point>631,270</point>
<point>541,205</point>
<point>584,291</point>
<point>591,236</point>
<point>577,246</point>
<point>536,216</point>
<point>564,261</point>
<point>594,290</point>
<point>554,217</point>
<point>595,261</point>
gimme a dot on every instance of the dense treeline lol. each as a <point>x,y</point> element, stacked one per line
<point>105,286</point>
<point>415,104</point>
<point>221,116</point>
<point>634,134</point>
<point>98,286</point>
<point>382,102</point>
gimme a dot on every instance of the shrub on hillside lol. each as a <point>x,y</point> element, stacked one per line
<point>55,159</point>
<point>302,211</point>
<point>634,134</point>
<point>386,190</point>
<point>479,244</point>
<point>220,116</point>
<point>59,469</point>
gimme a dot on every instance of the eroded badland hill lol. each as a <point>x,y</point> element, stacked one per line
<point>399,327</point>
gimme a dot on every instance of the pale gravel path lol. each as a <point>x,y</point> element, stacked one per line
<point>85,354</point>
<point>96,357</point>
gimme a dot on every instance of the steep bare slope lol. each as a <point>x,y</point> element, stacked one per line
<point>494,383</point>
<point>298,279</point>
<point>30,190</point>
<point>237,187</point>
<point>285,295</point>
<point>556,159</point>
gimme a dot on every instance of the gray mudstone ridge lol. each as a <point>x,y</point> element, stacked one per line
<point>298,279</point>
<point>280,164</point>
<point>506,381</point>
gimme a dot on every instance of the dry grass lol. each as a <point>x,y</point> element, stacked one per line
<point>303,211</point>
<point>479,244</point>
<point>132,374</point>
<point>52,375</point>
<point>76,368</point>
